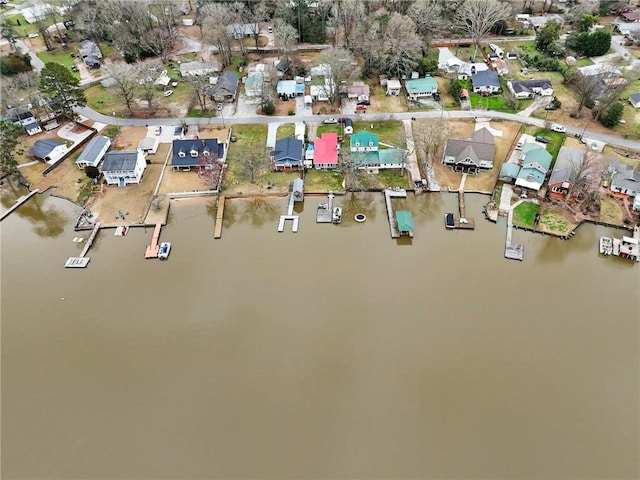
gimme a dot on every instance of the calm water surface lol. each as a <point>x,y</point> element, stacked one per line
<point>333,352</point>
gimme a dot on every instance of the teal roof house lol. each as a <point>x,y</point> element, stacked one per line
<point>421,87</point>
<point>535,165</point>
<point>364,141</point>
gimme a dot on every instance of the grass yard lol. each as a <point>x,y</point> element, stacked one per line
<point>328,128</point>
<point>104,100</point>
<point>251,132</point>
<point>555,221</point>
<point>22,27</point>
<point>322,181</point>
<point>286,130</point>
<point>390,131</point>
<point>60,56</point>
<point>394,177</point>
<point>555,141</point>
<point>610,211</point>
<point>524,214</point>
<point>381,103</point>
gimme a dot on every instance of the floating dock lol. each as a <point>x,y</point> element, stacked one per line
<point>325,215</point>
<point>388,195</point>
<point>217,232</point>
<point>289,216</point>
<point>81,261</point>
<point>513,252</point>
<point>154,248</point>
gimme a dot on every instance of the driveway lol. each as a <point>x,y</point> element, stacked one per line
<point>538,102</point>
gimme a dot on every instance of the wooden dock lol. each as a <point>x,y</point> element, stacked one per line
<point>461,221</point>
<point>217,232</point>
<point>154,248</point>
<point>512,252</point>
<point>82,260</point>
<point>19,202</point>
<point>388,195</point>
<point>325,215</point>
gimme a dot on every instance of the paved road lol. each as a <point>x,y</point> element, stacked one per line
<point>451,114</point>
<point>36,63</point>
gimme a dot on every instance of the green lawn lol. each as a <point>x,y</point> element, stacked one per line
<point>286,130</point>
<point>322,181</point>
<point>524,214</point>
<point>390,131</point>
<point>63,57</point>
<point>251,132</point>
<point>328,128</point>
<point>555,141</point>
<point>104,101</point>
<point>24,28</point>
<point>393,177</point>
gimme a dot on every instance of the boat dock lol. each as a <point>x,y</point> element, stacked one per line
<point>217,232</point>
<point>388,195</point>
<point>625,247</point>
<point>82,260</point>
<point>461,221</point>
<point>154,248</point>
<point>324,213</point>
<point>289,216</point>
<point>19,202</point>
<point>513,252</point>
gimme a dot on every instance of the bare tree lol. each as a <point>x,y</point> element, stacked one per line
<point>368,44</point>
<point>587,173</point>
<point>214,31</point>
<point>211,171</point>
<point>430,137</point>
<point>158,41</point>
<point>146,84</point>
<point>587,85</point>
<point>341,66</point>
<point>201,89</point>
<point>349,165</point>
<point>253,159</point>
<point>285,36</point>
<point>125,77</point>
<point>428,17</point>
<point>477,17</point>
<point>345,18</point>
<point>403,46</point>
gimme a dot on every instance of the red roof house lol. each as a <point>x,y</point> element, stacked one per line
<point>325,151</point>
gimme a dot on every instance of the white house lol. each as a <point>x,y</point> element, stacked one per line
<point>485,82</point>
<point>319,93</point>
<point>94,152</point>
<point>32,128</point>
<point>123,167</point>
<point>530,88</point>
<point>393,87</point>
<point>197,68</point>
<point>48,150</point>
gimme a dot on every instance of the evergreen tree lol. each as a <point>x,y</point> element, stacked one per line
<point>62,87</point>
<point>9,134</point>
<point>613,115</point>
<point>547,36</point>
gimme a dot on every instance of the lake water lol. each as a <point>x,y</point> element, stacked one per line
<point>331,352</point>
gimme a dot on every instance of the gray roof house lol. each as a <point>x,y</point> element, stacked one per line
<point>624,179</point>
<point>634,98</point>
<point>94,152</point>
<point>242,30</point>
<point>287,154</point>
<point>123,167</point>
<point>187,152</point>
<point>470,155</point>
<point>529,88</point>
<point>48,150</point>
<point>565,170</point>
<point>197,68</point>
<point>90,53</point>
<point>225,88</point>
<point>485,82</point>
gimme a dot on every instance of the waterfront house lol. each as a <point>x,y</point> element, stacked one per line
<point>225,88</point>
<point>625,179</point>
<point>420,88</point>
<point>393,87</point>
<point>634,99</point>
<point>374,160</point>
<point>364,141</point>
<point>565,171</point>
<point>509,172</point>
<point>287,154</point>
<point>325,151</point>
<point>123,167</point>
<point>470,155</point>
<point>94,152</point>
<point>189,154</point>
<point>485,82</point>
<point>535,165</point>
<point>197,68</point>
<point>48,150</point>
<point>530,88</point>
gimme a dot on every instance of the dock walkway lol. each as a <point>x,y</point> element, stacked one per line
<point>289,216</point>
<point>82,260</point>
<point>511,251</point>
<point>19,202</point>
<point>154,248</point>
<point>325,215</point>
<point>217,232</point>
<point>388,195</point>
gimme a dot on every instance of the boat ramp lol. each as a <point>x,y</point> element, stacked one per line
<point>81,261</point>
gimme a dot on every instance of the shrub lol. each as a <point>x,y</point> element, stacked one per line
<point>15,63</point>
<point>291,112</point>
<point>91,171</point>
<point>269,108</point>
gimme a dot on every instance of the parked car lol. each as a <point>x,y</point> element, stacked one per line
<point>542,139</point>
<point>330,121</point>
<point>558,128</point>
<point>364,102</point>
<point>33,35</point>
<point>361,107</point>
<point>158,130</point>
<point>551,106</point>
<point>168,93</point>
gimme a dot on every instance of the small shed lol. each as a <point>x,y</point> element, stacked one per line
<point>348,126</point>
<point>405,222</point>
<point>149,145</point>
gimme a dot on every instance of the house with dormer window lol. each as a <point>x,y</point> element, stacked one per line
<point>364,141</point>
<point>187,153</point>
<point>472,155</point>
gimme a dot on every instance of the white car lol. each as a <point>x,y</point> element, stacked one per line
<point>330,121</point>
<point>558,128</point>
<point>168,93</point>
<point>33,35</point>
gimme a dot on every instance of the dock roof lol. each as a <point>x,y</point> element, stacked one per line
<point>405,221</point>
